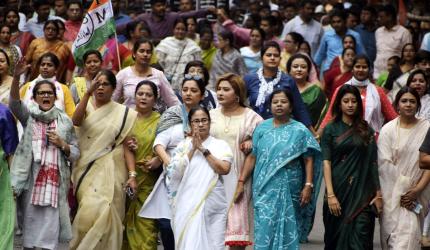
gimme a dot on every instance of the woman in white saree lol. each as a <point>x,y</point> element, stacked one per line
<point>196,192</point>
<point>403,183</point>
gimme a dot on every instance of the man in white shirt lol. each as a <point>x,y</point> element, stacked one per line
<point>35,24</point>
<point>390,38</point>
<point>305,25</point>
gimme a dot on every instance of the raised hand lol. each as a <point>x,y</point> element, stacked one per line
<point>21,67</point>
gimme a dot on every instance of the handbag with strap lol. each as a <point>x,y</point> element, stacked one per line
<point>73,200</point>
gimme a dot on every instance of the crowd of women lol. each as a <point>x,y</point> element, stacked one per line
<point>205,159</point>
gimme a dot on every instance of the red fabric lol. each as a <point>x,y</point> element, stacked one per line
<point>333,78</point>
<point>22,40</point>
<point>238,243</point>
<point>386,108</point>
<point>72,30</point>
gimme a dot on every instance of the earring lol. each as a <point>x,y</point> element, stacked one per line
<point>237,99</point>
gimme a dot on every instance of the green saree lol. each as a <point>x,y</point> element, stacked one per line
<point>7,205</point>
<point>355,182</point>
<point>141,233</point>
<point>316,104</point>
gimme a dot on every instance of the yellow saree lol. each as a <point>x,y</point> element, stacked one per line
<point>101,198</point>
<point>141,233</point>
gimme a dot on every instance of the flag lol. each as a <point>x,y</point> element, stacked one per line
<point>98,25</point>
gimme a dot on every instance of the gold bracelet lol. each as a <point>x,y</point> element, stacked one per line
<point>330,196</point>
<point>378,197</point>
<point>132,173</point>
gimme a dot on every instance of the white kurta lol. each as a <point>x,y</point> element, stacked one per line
<point>198,200</point>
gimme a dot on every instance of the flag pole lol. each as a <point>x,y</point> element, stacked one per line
<point>117,51</point>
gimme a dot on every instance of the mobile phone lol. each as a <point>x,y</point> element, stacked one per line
<point>129,192</point>
<point>417,208</point>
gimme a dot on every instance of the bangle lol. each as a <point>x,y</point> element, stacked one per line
<point>330,196</point>
<point>240,180</point>
<point>378,197</point>
<point>311,185</point>
<point>132,174</point>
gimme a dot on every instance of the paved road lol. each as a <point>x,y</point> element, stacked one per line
<point>316,241</point>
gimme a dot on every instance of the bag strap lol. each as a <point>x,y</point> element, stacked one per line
<point>179,59</point>
<point>113,147</point>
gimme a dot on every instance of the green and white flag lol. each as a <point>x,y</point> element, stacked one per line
<point>98,25</point>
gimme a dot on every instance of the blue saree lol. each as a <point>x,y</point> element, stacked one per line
<point>278,179</point>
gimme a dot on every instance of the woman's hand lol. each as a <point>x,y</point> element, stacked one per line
<point>408,199</point>
<point>378,204</point>
<point>305,196</point>
<point>131,143</point>
<point>131,182</point>
<point>54,138</point>
<point>334,205</point>
<point>21,67</point>
<point>197,142</point>
<point>246,146</point>
<point>238,195</point>
<point>151,165</point>
<point>95,83</point>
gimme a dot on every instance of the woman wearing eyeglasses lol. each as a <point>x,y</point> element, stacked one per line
<point>196,192</point>
<point>172,129</point>
<point>40,172</point>
<point>129,77</point>
<point>235,123</point>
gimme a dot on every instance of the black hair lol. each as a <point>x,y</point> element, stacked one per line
<point>78,2</point>
<point>262,33</point>
<point>110,77</point>
<point>201,65</point>
<point>180,20</point>
<point>141,41</point>
<point>303,3</point>
<point>416,72</point>
<point>206,30</point>
<point>53,22</point>
<point>421,56</point>
<point>359,125</point>
<point>195,109</point>
<point>353,39</point>
<point>403,50</point>
<point>38,3</point>
<point>370,9</point>
<point>227,35</point>
<point>287,93</point>
<point>338,13</point>
<point>389,10</point>
<point>404,90</point>
<point>39,83</point>
<point>153,2</point>
<point>308,45</point>
<point>92,52</point>
<point>59,22</point>
<point>345,50</point>
<point>298,38</point>
<point>6,56</point>
<point>396,58</point>
<point>200,84</point>
<point>54,59</point>
<point>363,57</point>
<point>131,26</point>
<point>2,25</point>
<point>11,9</point>
<point>150,84</point>
<point>270,19</point>
<point>299,56</point>
<point>395,73</point>
<point>270,44</point>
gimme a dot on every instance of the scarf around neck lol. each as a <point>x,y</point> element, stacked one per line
<point>373,112</point>
<point>266,88</point>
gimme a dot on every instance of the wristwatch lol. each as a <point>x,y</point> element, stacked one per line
<point>311,185</point>
<point>206,152</point>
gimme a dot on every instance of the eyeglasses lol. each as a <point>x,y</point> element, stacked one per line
<point>45,93</point>
<point>192,77</point>
<point>203,121</point>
